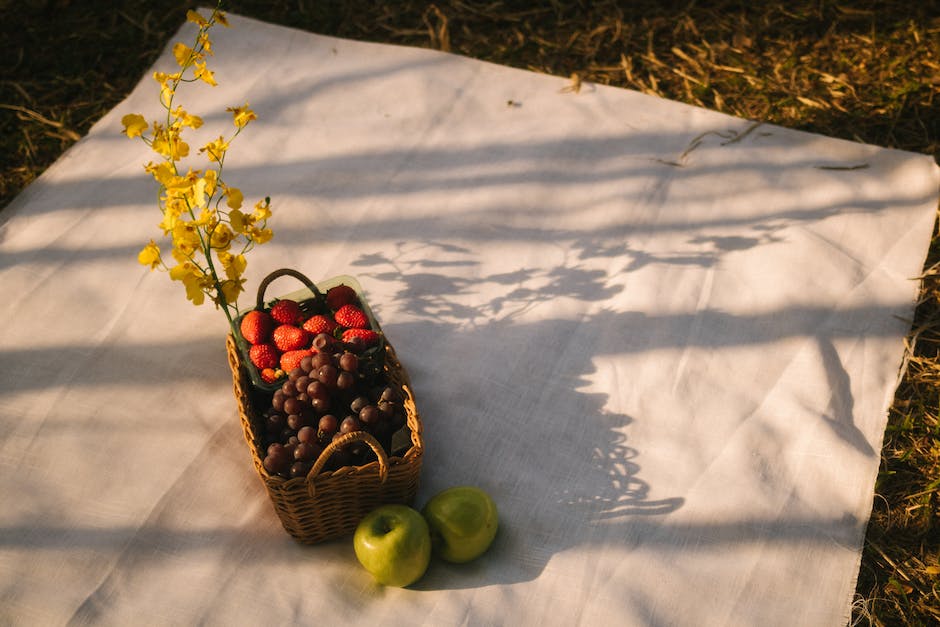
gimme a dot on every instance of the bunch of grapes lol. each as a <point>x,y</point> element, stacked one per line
<point>331,393</point>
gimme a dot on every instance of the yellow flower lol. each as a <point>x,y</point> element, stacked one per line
<point>149,255</point>
<point>215,149</point>
<point>134,124</point>
<point>162,172</point>
<point>242,115</point>
<point>231,289</point>
<point>262,210</point>
<point>221,19</point>
<point>204,74</point>
<point>205,42</point>
<point>222,237</point>
<point>193,16</point>
<point>193,279</point>
<point>167,142</point>
<point>233,197</point>
<point>185,119</point>
<point>259,235</point>
<point>239,221</point>
<point>184,54</point>
<point>234,264</point>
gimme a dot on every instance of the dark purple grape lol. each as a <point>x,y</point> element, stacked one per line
<point>292,406</point>
<point>301,383</point>
<point>305,364</point>
<point>307,434</point>
<point>317,389</point>
<point>328,424</point>
<point>387,408</point>
<point>358,403</point>
<point>345,380</point>
<point>323,342</point>
<point>349,424</point>
<point>277,401</point>
<point>327,374</point>
<point>390,394</point>
<point>296,421</point>
<point>319,360</point>
<point>305,451</point>
<point>320,405</point>
<point>287,388</point>
<point>300,469</point>
<point>293,374</point>
<point>368,415</point>
<point>349,362</point>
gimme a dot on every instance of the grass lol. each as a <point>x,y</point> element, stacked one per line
<point>866,71</point>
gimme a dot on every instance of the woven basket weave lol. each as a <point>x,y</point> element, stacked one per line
<point>328,505</point>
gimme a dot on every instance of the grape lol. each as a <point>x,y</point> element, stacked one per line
<point>323,342</point>
<point>328,424</point>
<point>300,469</point>
<point>296,372</point>
<point>307,433</point>
<point>277,401</point>
<point>349,424</point>
<point>305,451</point>
<point>319,360</point>
<point>317,389</point>
<point>287,388</point>
<point>368,415</point>
<point>296,421</point>
<point>275,423</point>
<point>390,394</point>
<point>358,403</point>
<point>305,364</point>
<point>349,362</point>
<point>327,374</point>
<point>321,405</point>
<point>292,406</point>
<point>301,383</point>
<point>345,380</point>
<point>387,408</point>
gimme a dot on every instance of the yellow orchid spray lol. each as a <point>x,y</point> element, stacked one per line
<point>209,238</point>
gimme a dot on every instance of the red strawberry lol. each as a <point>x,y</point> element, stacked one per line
<point>351,317</point>
<point>362,337</point>
<point>287,312</point>
<point>318,324</point>
<point>270,375</point>
<point>340,295</point>
<point>291,359</point>
<point>263,356</point>
<point>287,337</point>
<point>256,326</point>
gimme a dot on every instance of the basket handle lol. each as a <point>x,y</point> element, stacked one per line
<point>349,438</point>
<point>263,286</point>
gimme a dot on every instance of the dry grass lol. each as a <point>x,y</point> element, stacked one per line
<point>865,71</point>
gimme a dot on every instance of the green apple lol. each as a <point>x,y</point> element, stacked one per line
<point>393,543</point>
<point>463,522</point>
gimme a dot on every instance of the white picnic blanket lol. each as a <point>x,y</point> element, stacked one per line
<point>664,339</point>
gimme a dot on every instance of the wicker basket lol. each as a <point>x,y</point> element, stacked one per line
<point>328,505</point>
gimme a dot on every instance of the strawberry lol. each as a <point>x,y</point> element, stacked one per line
<point>263,356</point>
<point>340,295</point>
<point>287,312</point>
<point>315,325</point>
<point>291,359</point>
<point>351,317</point>
<point>256,327</point>
<point>270,375</point>
<point>287,337</point>
<point>361,337</point>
